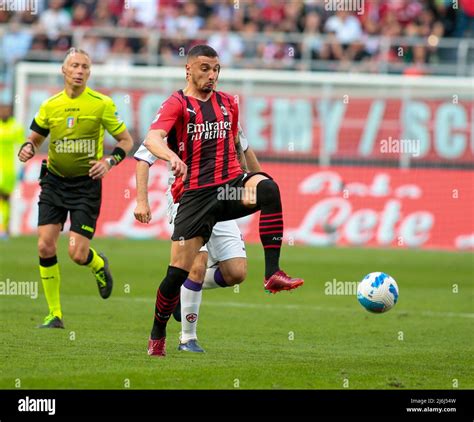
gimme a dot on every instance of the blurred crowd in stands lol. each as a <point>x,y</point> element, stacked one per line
<point>242,31</point>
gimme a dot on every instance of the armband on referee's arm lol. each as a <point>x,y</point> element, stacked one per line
<point>118,154</point>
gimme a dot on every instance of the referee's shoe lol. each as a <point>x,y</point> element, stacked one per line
<point>52,321</point>
<point>104,278</point>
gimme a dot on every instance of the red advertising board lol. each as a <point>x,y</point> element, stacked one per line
<point>351,126</point>
<point>426,208</point>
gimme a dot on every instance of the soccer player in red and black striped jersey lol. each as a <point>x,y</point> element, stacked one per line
<point>195,130</point>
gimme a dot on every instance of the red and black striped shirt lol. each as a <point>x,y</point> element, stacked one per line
<point>202,133</point>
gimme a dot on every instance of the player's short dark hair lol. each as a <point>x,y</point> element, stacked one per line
<point>202,50</point>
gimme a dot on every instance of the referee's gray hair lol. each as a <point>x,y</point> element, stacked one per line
<point>72,51</point>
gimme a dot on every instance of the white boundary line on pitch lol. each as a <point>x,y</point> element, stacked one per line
<point>307,307</point>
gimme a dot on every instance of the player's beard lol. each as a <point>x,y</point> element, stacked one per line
<point>210,88</point>
<point>202,88</point>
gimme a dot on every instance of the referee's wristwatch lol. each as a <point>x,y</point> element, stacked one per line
<point>111,161</point>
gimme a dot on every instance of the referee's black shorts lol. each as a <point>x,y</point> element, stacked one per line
<point>200,209</point>
<point>80,196</point>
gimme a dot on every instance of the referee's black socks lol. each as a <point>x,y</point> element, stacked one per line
<point>167,298</point>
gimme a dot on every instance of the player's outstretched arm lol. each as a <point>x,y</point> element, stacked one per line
<point>142,211</point>
<point>29,148</point>
<point>156,144</point>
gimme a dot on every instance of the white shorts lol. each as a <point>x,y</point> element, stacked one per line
<point>226,241</point>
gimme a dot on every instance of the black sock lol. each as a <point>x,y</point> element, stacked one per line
<point>48,262</point>
<point>167,297</point>
<point>271,224</point>
<point>90,257</point>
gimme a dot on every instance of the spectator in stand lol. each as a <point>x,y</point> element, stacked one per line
<point>38,49</point>
<point>28,18</point>
<point>115,8</point>
<point>129,19</point>
<point>60,47</point>
<point>252,14</point>
<point>224,11</point>
<point>120,53</point>
<point>55,19</point>
<point>273,13</point>
<point>428,25</point>
<point>317,6</point>
<point>446,14</point>
<point>229,45</point>
<point>312,43</point>
<point>293,17</point>
<point>465,19</point>
<point>80,16</point>
<point>276,52</point>
<point>390,27</point>
<point>91,5</point>
<point>212,24</point>
<point>167,21</point>
<point>15,43</point>
<point>249,43</point>
<point>433,31</point>
<point>343,29</point>
<point>371,29</point>
<point>189,23</point>
<point>14,46</point>
<point>173,50</point>
<point>353,40</point>
<point>103,17</point>
<point>4,16</point>
<point>206,8</point>
<point>98,48</point>
<point>145,11</point>
<point>405,11</point>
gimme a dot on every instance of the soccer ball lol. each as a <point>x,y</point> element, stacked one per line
<point>377,292</point>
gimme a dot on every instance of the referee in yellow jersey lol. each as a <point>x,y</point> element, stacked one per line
<point>75,120</point>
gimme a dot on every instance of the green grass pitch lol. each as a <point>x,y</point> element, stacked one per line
<point>305,339</point>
